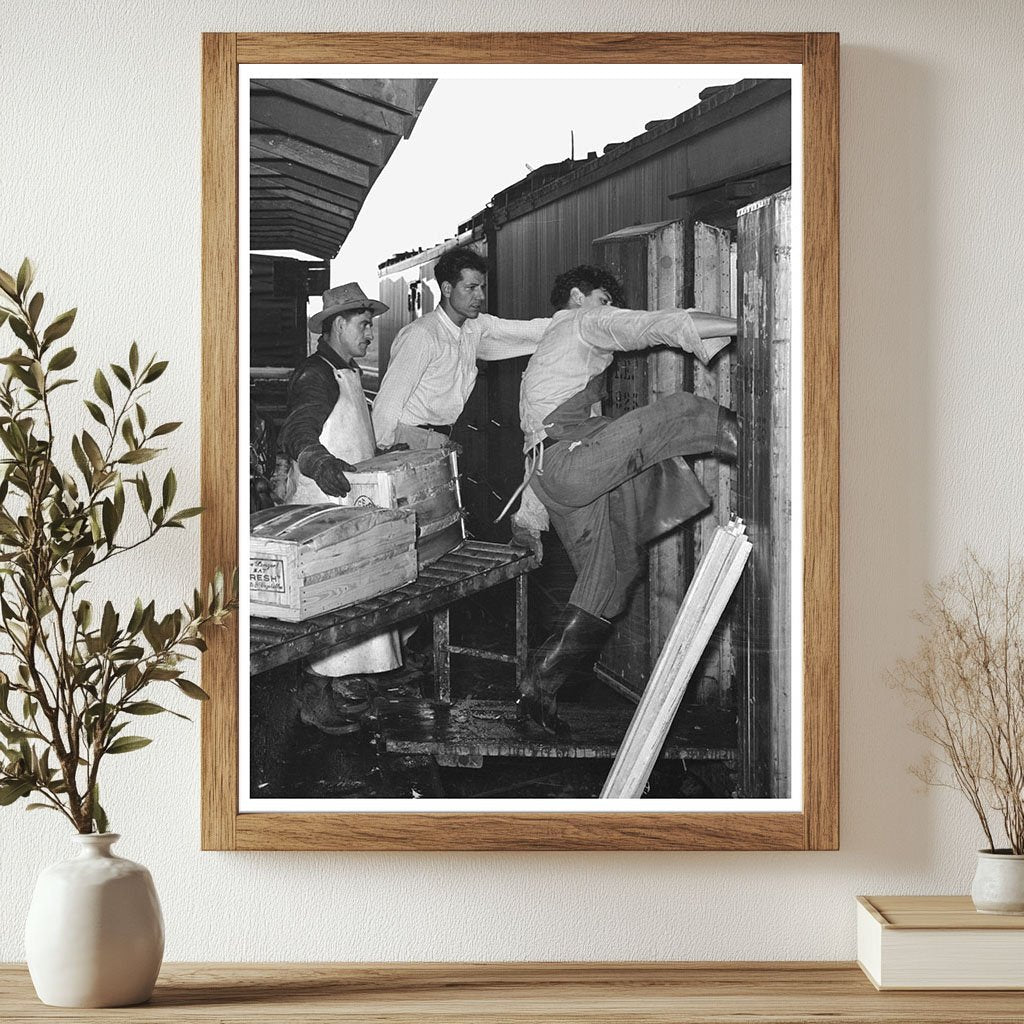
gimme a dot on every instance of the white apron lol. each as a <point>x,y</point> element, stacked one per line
<point>348,435</point>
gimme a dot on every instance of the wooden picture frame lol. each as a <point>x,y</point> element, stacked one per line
<point>816,826</point>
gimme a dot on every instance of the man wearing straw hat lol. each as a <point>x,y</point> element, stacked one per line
<point>326,430</point>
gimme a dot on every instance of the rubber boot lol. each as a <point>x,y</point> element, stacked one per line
<point>575,647</point>
<point>332,705</point>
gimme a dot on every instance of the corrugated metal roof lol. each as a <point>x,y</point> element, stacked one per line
<point>316,148</point>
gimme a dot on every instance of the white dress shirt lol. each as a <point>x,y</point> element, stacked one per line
<point>433,367</point>
<point>581,343</point>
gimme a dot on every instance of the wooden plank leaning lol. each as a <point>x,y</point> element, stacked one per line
<point>712,585</point>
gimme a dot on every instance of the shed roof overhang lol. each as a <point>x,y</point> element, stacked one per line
<point>316,148</point>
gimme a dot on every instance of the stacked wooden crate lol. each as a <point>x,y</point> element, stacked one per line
<point>305,560</point>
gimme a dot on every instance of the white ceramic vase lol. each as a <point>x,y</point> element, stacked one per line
<point>999,883</point>
<point>95,934</point>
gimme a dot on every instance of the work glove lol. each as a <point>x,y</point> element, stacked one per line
<point>400,447</point>
<point>326,471</point>
<point>524,538</point>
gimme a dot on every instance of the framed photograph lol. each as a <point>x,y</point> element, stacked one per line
<point>530,345</point>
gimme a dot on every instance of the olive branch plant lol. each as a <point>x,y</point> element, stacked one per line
<point>80,673</point>
<point>966,681</point>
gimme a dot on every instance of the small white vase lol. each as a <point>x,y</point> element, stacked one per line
<point>999,882</point>
<point>95,934</point>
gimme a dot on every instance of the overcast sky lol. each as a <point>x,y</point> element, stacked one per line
<point>477,137</point>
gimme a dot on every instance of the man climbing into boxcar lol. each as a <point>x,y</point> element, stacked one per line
<point>433,360</point>
<point>328,428</point>
<point>607,486</point>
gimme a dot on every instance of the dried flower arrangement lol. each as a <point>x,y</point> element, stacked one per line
<point>967,680</point>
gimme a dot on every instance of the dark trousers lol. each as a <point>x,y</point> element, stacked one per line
<point>592,489</point>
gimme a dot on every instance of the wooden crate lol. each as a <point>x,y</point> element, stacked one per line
<point>305,560</point>
<point>426,482</point>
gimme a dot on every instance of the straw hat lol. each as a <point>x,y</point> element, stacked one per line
<point>344,297</point>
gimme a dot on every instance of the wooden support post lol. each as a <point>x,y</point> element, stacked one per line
<point>522,646</point>
<point>709,592</point>
<point>442,657</point>
<point>763,401</point>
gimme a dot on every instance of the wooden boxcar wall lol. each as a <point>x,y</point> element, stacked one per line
<point>737,143</point>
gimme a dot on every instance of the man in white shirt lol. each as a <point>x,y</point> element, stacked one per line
<point>433,360</point>
<point>608,486</point>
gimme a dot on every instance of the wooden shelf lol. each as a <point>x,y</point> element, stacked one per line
<point>658,993</point>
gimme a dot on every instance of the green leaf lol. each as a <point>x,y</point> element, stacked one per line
<point>147,707</point>
<point>133,358</point>
<point>170,487</point>
<point>4,314</point>
<point>129,653</point>
<point>99,816</point>
<point>63,359</point>
<point>108,626</point>
<point>79,456</point>
<point>185,513</point>
<point>14,790</point>
<point>20,328</point>
<point>138,455</point>
<point>7,283</point>
<point>125,744</point>
<point>121,374</point>
<point>92,449</point>
<point>60,326</point>
<point>191,690</point>
<point>145,498</point>
<point>128,433</point>
<point>165,428</point>
<point>35,307</point>
<point>154,372</point>
<point>109,521</point>
<point>102,388</point>
<point>95,412</point>
<point>140,415</point>
<point>41,807</point>
<point>26,274</point>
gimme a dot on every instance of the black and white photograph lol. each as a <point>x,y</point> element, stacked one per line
<point>523,354</point>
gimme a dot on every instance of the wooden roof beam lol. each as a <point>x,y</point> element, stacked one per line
<point>268,169</point>
<point>277,223</point>
<point>368,145</point>
<point>286,188</point>
<point>280,145</point>
<point>327,94</point>
<point>288,208</point>
<point>404,94</point>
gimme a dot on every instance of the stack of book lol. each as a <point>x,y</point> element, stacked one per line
<point>938,942</point>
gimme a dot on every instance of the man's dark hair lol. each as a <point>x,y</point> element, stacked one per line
<point>585,277</point>
<point>346,315</point>
<point>451,265</point>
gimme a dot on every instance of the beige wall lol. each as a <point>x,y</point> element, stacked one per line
<point>99,182</point>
